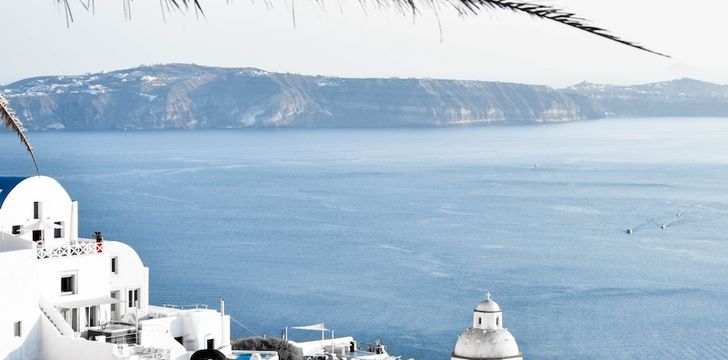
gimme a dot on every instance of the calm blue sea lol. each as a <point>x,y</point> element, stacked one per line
<point>397,234</point>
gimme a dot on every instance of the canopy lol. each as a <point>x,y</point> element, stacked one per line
<point>41,224</point>
<point>316,327</point>
<point>87,302</point>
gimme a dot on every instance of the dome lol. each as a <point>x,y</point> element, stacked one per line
<point>488,306</point>
<point>476,344</point>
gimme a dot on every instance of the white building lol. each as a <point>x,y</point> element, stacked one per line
<point>487,339</point>
<point>66,297</point>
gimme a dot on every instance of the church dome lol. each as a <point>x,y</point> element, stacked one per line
<point>486,339</point>
<point>488,306</point>
<point>476,344</point>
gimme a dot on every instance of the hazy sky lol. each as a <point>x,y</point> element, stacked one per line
<point>342,39</point>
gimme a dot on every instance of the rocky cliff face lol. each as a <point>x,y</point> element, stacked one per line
<point>683,97</point>
<point>179,96</point>
<point>189,97</point>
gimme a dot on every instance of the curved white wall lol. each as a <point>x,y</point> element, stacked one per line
<point>56,205</point>
<point>131,274</point>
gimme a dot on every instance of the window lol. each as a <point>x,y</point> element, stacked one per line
<point>210,344</point>
<point>134,298</point>
<point>18,329</point>
<point>68,285</point>
<point>58,230</point>
<point>497,321</point>
<point>36,210</point>
<point>480,320</point>
<point>114,305</point>
<point>16,229</point>
<point>37,235</point>
<point>114,265</point>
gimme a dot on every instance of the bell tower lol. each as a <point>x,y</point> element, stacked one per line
<point>488,315</point>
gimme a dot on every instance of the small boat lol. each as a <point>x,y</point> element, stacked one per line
<point>629,230</point>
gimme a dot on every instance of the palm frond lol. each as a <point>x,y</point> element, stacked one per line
<point>546,12</point>
<point>7,115</point>
<point>464,7</point>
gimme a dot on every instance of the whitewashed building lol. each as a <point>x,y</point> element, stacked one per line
<point>487,339</point>
<point>67,297</point>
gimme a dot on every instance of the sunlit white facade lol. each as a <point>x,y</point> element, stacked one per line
<point>67,297</point>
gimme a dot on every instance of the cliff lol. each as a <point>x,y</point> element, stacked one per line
<point>181,96</point>
<point>190,97</point>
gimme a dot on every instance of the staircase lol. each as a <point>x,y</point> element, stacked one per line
<point>55,318</point>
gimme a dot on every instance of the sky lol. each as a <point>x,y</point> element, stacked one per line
<point>343,38</point>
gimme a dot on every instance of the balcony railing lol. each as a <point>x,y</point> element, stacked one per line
<point>73,249</point>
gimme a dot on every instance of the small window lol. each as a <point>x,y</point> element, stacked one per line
<point>134,299</point>
<point>58,230</point>
<point>37,235</point>
<point>114,306</point>
<point>36,210</point>
<point>18,329</point>
<point>497,321</point>
<point>114,265</point>
<point>68,285</point>
<point>480,321</point>
<point>16,229</point>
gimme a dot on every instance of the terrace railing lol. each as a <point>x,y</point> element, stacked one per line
<point>73,249</point>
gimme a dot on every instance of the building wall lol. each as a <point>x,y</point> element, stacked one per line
<point>56,205</point>
<point>19,302</point>
<point>91,271</point>
<point>56,347</point>
<point>131,274</point>
<point>194,326</point>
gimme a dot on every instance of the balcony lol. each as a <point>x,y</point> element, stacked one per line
<point>73,249</point>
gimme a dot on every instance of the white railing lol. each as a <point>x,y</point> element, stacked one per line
<point>185,307</point>
<point>74,249</point>
<point>136,352</point>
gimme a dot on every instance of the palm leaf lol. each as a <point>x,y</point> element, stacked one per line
<point>7,115</point>
<point>464,7</point>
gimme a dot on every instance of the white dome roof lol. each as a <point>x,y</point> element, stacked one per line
<point>488,305</point>
<point>486,344</point>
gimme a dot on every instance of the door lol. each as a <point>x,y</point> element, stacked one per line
<point>91,315</point>
<point>74,319</point>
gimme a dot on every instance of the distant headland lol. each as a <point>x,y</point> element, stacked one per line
<point>185,96</point>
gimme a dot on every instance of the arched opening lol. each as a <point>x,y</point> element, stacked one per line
<point>480,320</point>
<point>497,321</point>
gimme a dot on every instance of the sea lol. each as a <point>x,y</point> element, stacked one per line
<point>397,234</point>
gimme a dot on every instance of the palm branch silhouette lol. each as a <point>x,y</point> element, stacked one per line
<point>463,7</point>
<point>7,115</point>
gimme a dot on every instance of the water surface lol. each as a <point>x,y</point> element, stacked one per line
<point>397,234</point>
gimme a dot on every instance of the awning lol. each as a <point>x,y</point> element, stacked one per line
<point>317,327</point>
<point>86,302</point>
<point>41,224</point>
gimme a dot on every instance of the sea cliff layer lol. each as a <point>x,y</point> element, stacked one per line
<point>182,96</point>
